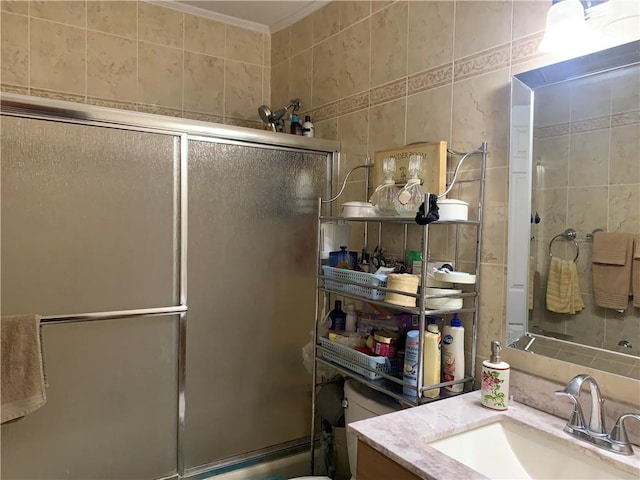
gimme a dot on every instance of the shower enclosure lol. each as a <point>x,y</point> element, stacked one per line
<point>173,263</point>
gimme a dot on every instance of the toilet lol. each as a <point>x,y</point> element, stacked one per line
<point>361,402</point>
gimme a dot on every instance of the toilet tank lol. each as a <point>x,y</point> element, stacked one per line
<point>362,403</point>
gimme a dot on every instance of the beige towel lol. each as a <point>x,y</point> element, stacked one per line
<point>610,248</point>
<point>23,383</point>
<point>563,291</point>
<point>612,276</point>
<point>635,269</point>
<point>532,273</point>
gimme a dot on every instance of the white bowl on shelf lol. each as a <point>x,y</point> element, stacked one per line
<point>357,209</point>
<point>455,277</point>
<point>452,209</point>
<point>445,303</point>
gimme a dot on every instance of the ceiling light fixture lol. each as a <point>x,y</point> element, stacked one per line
<point>578,26</point>
<point>566,29</point>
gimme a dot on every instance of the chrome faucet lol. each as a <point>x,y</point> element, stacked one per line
<point>617,441</point>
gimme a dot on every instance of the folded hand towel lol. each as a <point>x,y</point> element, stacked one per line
<point>635,269</point>
<point>576,297</point>
<point>23,383</point>
<point>563,291</point>
<point>611,278</point>
<point>610,248</point>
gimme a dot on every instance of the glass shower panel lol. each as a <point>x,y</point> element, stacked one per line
<point>251,277</point>
<point>111,408</point>
<point>87,217</point>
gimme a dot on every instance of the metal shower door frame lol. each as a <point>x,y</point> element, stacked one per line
<point>37,108</point>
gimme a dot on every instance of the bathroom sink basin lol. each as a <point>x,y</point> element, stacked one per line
<point>506,449</point>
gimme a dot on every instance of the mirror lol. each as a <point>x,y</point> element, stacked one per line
<point>574,172</point>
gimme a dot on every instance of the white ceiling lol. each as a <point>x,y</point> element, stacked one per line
<point>262,15</point>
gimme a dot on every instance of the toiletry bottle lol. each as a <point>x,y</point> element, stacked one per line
<point>308,130</point>
<point>432,358</point>
<point>296,128</point>
<point>351,319</point>
<point>338,317</point>
<point>411,355</point>
<point>495,380</point>
<point>453,354</point>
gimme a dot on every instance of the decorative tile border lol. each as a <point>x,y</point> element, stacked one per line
<point>158,110</point>
<point>386,93</point>
<point>625,118</point>
<point>326,111</point>
<point>552,130</point>
<point>5,87</point>
<point>526,48</point>
<point>203,117</point>
<point>243,122</point>
<point>354,103</point>
<point>591,124</point>
<point>101,102</point>
<point>432,78</point>
<point>483,62</point>
<point>68,97</point>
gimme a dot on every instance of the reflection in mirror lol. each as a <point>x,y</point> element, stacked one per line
<point>575,174</point>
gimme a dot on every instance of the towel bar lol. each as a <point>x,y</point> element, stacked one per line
<point>85,317</point>
<point>568,234</point>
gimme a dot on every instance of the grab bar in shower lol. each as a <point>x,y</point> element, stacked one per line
<point>88,317</point>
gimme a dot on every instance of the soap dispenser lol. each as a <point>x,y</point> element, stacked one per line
<point>384,196</point>
<point>411,196</point>
<point>495,380</point>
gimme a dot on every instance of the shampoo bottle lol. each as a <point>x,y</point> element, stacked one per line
<point>432,359</point>
<point>495,380</point>
<point>337,317</point>
<point>308,130</point>
<point>453,354</point>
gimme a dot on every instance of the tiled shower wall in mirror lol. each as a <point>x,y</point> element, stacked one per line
<point>587,177</point>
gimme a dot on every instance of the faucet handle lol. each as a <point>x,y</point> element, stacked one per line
<point>576,420</point>
<point>619,433</point>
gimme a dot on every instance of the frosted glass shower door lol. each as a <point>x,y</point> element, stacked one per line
<point>251,277</point>
<point>89,224</point>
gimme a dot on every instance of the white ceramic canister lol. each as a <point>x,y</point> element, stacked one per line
<point>452,209</point>
<point>405,283</point>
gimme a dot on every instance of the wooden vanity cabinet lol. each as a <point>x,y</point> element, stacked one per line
<point>373,465</point>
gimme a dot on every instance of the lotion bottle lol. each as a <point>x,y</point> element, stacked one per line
<point>495,380</point>
<point>453,354</point>
<point>432,359</point>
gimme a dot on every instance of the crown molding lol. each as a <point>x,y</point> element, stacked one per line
<point>298,15</point>
<point>201,12</point>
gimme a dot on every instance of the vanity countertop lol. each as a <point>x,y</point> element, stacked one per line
<point>403,436</point>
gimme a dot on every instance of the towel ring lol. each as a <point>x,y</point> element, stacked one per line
<point>568,234</point>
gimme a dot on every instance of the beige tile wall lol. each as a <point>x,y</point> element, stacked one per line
<point>136,56</point>
<point>374,75</point>
<point>385,74</point>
